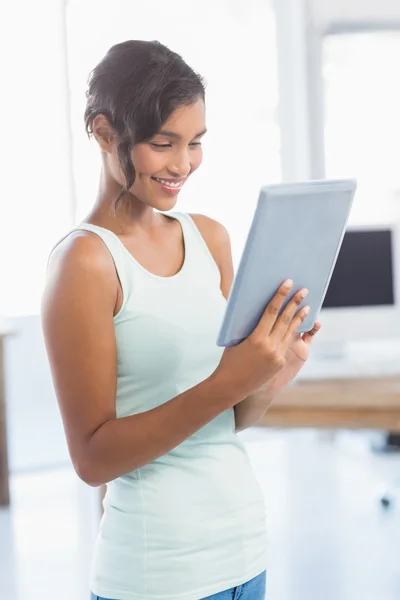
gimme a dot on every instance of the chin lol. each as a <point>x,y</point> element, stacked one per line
<point>165,204</point>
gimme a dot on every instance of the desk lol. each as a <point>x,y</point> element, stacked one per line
<point>4,474</point>
<point>351,403</point>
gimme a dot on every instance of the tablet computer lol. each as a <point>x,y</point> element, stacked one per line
<point>296,233</point>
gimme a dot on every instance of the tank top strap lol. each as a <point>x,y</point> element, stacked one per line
<point>117,252</point>
<point>198,255</point>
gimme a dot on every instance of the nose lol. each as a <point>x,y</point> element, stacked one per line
<point>181,164</point>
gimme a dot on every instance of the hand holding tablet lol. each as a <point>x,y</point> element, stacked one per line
<point>260,358</point>
<point>296,233</point>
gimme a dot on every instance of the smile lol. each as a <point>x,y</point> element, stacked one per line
<point>172,184</point>
<point>169,185</point>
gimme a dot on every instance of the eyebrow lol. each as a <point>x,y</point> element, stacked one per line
<point>176,136</point>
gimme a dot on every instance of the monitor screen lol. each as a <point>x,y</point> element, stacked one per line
<point>363,274</point>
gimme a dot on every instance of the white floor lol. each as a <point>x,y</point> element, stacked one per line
<point>329,537</point>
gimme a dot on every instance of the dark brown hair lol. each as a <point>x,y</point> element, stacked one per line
<point>137,86</point>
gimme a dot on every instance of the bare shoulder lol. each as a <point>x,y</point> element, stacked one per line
<point>80,274</point>
<point>80,250</point>
<point>217,239</point>
<point>214,233</point>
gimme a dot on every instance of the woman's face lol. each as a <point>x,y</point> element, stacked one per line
<point>164,164</point>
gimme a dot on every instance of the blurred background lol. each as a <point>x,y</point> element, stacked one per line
<point>296,89</point>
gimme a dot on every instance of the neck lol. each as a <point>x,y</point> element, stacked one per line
<point>128,215</point>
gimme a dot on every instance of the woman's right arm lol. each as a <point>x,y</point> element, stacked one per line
<point>77,315</point>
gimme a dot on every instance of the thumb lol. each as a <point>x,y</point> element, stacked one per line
<point>309,335</point>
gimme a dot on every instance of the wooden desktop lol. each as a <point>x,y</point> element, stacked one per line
<point>348,403</point>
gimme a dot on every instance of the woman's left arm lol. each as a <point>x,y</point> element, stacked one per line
<point>251,409</point>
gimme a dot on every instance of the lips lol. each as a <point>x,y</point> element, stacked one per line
<point>172,186</point>
<point>169,182</point>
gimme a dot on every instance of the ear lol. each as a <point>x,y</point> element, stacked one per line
<point>104,133</point>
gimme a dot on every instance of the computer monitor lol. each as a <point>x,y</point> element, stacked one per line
<point>362,302</point>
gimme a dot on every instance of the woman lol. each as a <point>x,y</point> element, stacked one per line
<point>131,310</point>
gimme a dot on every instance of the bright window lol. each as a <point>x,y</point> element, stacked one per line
<point>362,119</point>
<point>36,186</point>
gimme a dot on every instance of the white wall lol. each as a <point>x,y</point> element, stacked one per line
<point>37,205</point>
<point>293,63</point>
<point>324,12</point>
<point>36,182</point>
<point>35,433</point>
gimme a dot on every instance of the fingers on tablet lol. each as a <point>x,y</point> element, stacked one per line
<point>279,324</point>
<point>272,311</point>
<point>291,317</point>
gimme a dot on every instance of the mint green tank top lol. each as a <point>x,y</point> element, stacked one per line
<point>192,522</point>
